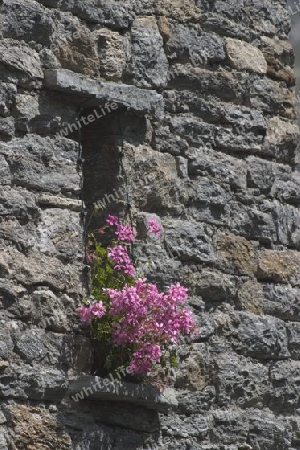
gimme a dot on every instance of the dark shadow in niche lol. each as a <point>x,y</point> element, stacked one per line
<point>102,146</point>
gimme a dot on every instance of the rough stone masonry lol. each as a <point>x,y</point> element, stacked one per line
<point>206,115</point>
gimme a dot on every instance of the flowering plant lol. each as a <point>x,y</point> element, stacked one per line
<point>133,321</point>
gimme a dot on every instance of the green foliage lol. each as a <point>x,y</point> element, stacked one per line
<point>104,276</point>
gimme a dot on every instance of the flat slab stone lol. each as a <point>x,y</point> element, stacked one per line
<point>97,388</point>
<point>59,202</point>
<point>145,101</point>
<point>133,98</point>
<point>71,82</point>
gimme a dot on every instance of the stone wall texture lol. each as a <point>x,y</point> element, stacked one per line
<point>206,124</point>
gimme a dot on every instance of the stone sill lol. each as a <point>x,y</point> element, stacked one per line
<point>126,95</point>
<point>96,388</point>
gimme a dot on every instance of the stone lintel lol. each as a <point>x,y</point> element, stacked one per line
<point>129,96</point>
<point>97,388</point>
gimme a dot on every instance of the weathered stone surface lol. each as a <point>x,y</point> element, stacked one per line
<point>268,432</point>
<point>38,346</point>
<point>6,344</point>
<point>244,56</point>
<point>293,331</point>
<point>59,233</point>
<point>27,106</point>
<point>288,191</point>
<point>240,382</point>
<point>251,297</point>
<point>263,174</point>
<point>105,13</point>
<point>279,267</point>
<point>213,286</point>
<point>35,426</point>
<point>164,28</point>
<point>75,49</point>
<point>32,270</point>
<point>209,163</point>
<point>279,56</point>
<point>228,139</point>
<point>255,223</point>
<point>184,44</point>
<point>196,426</point>
<point>191,375</point>
<point>154,184</point>
<point>184,11</point>
<point>48,59</point>
<point>284,377</point>
<point>236,254</point>
<point>5,175</point>
<point>281,139</point>
<point>269,96</point>
<point>112,54</point>
<point>18,203</point>
<point>140,100</point>
<point>208,202</point>
<point>262,337</point>
<point>106,389</point>
<point>125,95</point>
<point>19,59</point>
<point>272,18</point>
<point>26,20</point>
<point>47,311</point>
<point>227,425</point>
<point>191,402</point>
<point>215,111</point>
<point>36,163</point>
<point>149,65</point>
<point>126,415</point>
<point>59,202</point>
<point>281,301</point>
<point>68,81</point>
<point>188,241</point>
<point>212,21</point>
<point>7,127</point>
<point>36,382</point>
<point>286,220</point>
<point>7,98</point>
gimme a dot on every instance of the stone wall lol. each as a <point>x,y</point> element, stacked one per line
<point>204,137</point>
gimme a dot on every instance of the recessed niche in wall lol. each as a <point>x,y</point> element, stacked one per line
<point>102,146</point>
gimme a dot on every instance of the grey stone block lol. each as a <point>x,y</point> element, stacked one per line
<point>262,337</point>
<point>114,390</point>
<point>128,96</point>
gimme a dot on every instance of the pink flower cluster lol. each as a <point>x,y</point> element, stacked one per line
<point>142,359</point>
<point>148,319</point>
<point>142,320</point>
<point>87,313</point>
<point>154,227</point>
<point>123,232</point>
<point>119,255</point>
<point>112,220</point>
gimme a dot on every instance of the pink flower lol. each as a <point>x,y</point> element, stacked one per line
<point>143,359</point>
<point>87,313</point>
<point>125,233</point>
<point>120,257</point>
<point>154,227</point>
<point>177,293</point>
<point>112,220</point>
